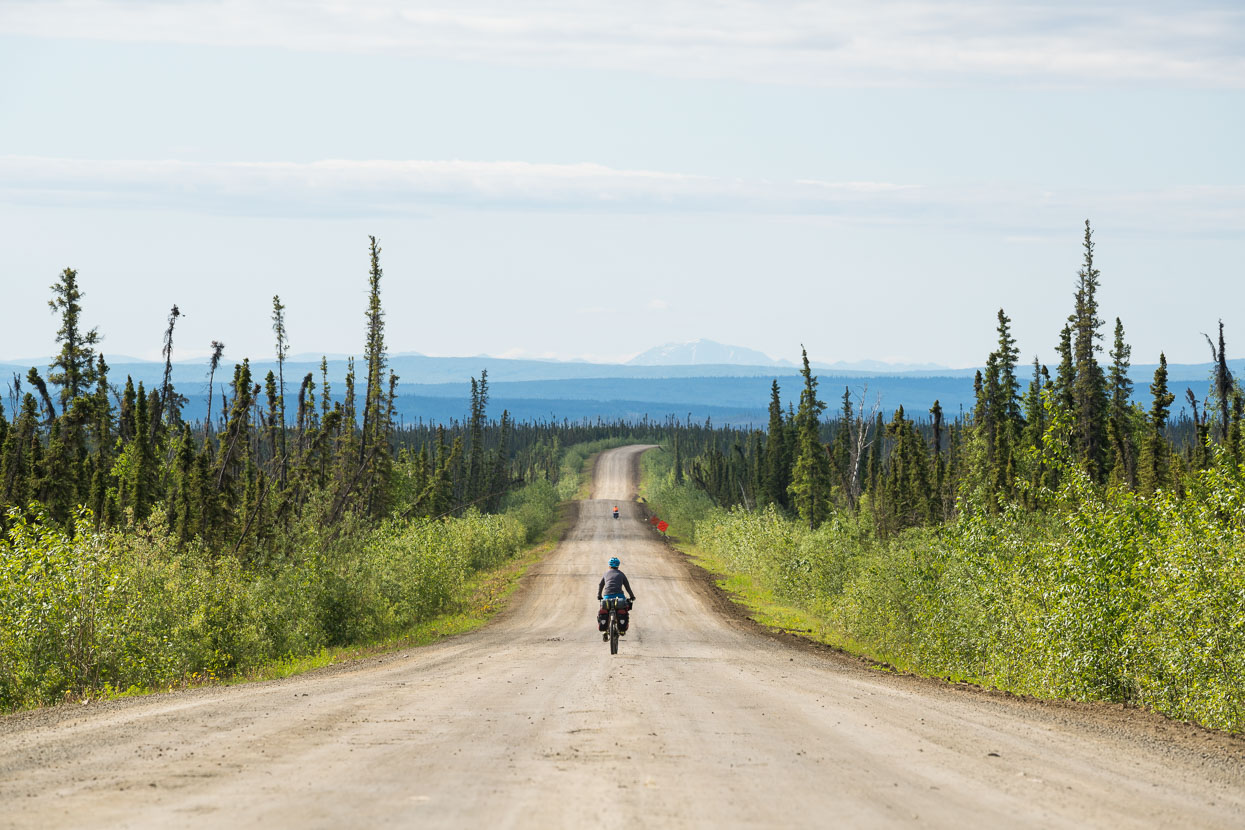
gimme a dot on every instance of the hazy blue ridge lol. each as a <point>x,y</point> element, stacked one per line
<point>437,388</point>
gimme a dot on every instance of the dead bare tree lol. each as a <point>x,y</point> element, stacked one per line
<point>860,440</point>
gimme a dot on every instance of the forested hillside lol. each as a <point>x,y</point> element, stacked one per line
<point>1060,540</point>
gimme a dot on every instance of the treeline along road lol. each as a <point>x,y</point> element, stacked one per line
<point>700,720</point>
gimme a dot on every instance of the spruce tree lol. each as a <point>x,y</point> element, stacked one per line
<point>810,477</point>
<point>777,457</point>
<point>1120,421</point>
<point>909,499</point>
<point>841,449</point>
<point>273,417</point>
<point>73,369</point>
<point>18,473</point>
<point>234,446</point>
<point>1222,386</point>
<point>136,465</point>
<point>125,418</point>
<point>102,493</point>
<point>499,476</point>
<point>374,354</point>
<point>1036,422</point>
<point>1065,373</point>
<point>1155,464</point>
<point>938,464</point>
<point>1003,422</point>
<point>165,403</point>
<point>218,349</point>
<point>475,453</point>
<point>1089,388</point>
<point>1198,451</point>
<point>182,511</point>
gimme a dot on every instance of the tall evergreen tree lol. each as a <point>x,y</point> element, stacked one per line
<point>218,349</point>
<point>476,486</point>
<point>1120,421</point>
<point>182,510</point>
<point>101,493</point>
<point>1003,423</point>
<point>1222,387</point>
<point>777,454</point>
<point>73,369</point>
<point>20,472</point>
<point>1065,373</point>
<point>1198,451</point>
<point>135,467</point>
<point>1036,422</point>
<point>938,467</point>
<point>165,403</point>
<point>810,478</point>
<point>374,354</point>
<point>1155,464</point>
<point>1089,388</point>
<point>909,499</point>
<point>841,455</point>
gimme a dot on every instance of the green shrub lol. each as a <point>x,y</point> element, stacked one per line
<point>106,612</point>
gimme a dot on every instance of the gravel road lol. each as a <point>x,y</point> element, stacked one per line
<point>701,720</point>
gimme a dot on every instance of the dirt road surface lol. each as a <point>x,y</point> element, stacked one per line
<point>700,721</point>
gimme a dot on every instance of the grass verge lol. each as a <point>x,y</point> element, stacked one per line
<point>765,609</point>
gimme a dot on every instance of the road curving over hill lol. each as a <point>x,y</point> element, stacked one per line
<point>701,720</point>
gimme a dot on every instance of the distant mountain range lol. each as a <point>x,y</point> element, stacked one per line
<point>711,353</point>
<point>438,388</point>
<point>704,352</point>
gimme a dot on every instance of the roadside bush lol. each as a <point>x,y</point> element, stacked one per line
<point>535,506</point>
<point>106,612</point>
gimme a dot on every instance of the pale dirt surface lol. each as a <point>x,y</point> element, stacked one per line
<point>700,721</point>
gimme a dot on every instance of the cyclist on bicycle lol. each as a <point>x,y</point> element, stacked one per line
<point>612,586</point>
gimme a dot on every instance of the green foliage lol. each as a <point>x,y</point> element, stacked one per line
<point>1109,595</point>
<point>534,506</point>
<point>810,474</point>
<point>84,611</point>
<point>105,612</point>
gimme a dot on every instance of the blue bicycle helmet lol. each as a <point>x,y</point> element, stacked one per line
<point>614,563</point>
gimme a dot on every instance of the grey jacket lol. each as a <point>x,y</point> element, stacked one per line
<point>613,583</point>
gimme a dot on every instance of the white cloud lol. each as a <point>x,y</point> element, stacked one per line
<point>338,188</point>
<point>658,305</point>
<point>859,42</point>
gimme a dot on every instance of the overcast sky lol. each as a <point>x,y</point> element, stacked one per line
<point>587,180</point>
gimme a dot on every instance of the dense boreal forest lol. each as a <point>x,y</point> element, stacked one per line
<point>1061,540</point>
<point>141,550</point>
